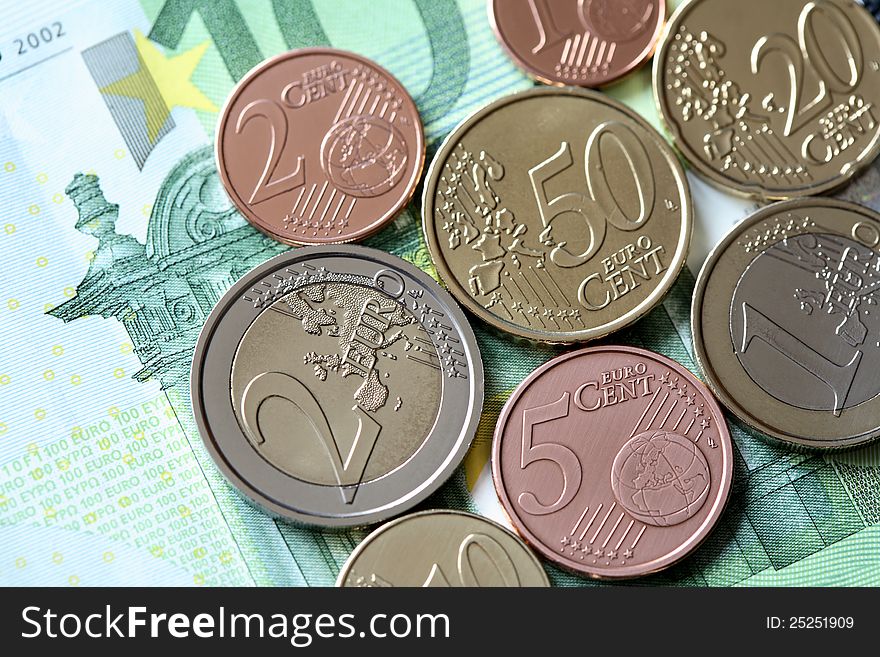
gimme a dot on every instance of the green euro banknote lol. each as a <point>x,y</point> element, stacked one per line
<point>107,280</point>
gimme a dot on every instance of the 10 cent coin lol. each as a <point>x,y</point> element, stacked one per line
<point>558,215</point>
<point>319,146</point>
<point>336,386</point>
<point>442,548</point>
<point>786,322</point>
<point>779,106</point>
<point>613,462</point>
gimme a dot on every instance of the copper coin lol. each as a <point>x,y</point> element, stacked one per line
<point>783,105</point>
<point>584,42</point>
<point>613,462</point>
<point>320,146</point>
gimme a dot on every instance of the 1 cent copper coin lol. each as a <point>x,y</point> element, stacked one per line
<point>613,462</point>
<point>319,146</point>
<point>779,106</point>
<point>584,42</point>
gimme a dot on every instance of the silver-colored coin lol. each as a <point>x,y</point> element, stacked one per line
<point>442,548</point>
<point>785,322</point>
<point>337,386</point>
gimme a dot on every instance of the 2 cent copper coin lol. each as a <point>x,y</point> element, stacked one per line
<point>589,43</point>
<point>320,146</point>
<point>613,462</point>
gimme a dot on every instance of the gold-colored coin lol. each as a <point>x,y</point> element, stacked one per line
<point>558,215</point>
<point>772,99</point>
<point>442,548</point>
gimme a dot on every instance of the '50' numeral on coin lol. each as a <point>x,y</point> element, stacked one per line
<point>266,186</point>
<point>467,576</point>
<point>560,455</point>
<point>602,206</point>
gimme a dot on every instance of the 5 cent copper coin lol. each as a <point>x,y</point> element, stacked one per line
<point>786,323</point>
<point>336,385</point>
<point>557,214</point>
<point>319,146</point>
<point>772,99</point>
<point>442,548</point>
<point>613,462</point>
<point>584,42</point>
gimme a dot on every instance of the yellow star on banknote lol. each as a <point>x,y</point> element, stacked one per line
<point>170,75</point>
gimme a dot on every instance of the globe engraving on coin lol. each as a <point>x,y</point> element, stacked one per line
<point>584,42</point>
<point>777,107</point>
<point>785,322</point>
<point>660,478</point>
<point>613,462</point>
<point>336,386</point>
<point>439,549</point>
<point>561,229</point>
<point>319,146</point>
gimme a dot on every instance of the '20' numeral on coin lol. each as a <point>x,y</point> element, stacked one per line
<point>349,470</point>
<point>806,52</point>
<point>601,207</point>
<point>501,562</point>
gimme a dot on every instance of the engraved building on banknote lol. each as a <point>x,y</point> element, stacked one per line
<point>197,247</point>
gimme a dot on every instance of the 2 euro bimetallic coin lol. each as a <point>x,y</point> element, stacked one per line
<point>558,215</point>
<point>589,43</point>
<point>442,548</point>
<point>772,99</point>
<point>612,462</point>
<point>319,146</point>
<point>336,386</point>
<point>786,323</point>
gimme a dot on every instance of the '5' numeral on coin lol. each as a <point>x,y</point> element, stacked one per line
<point>565,459</point>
